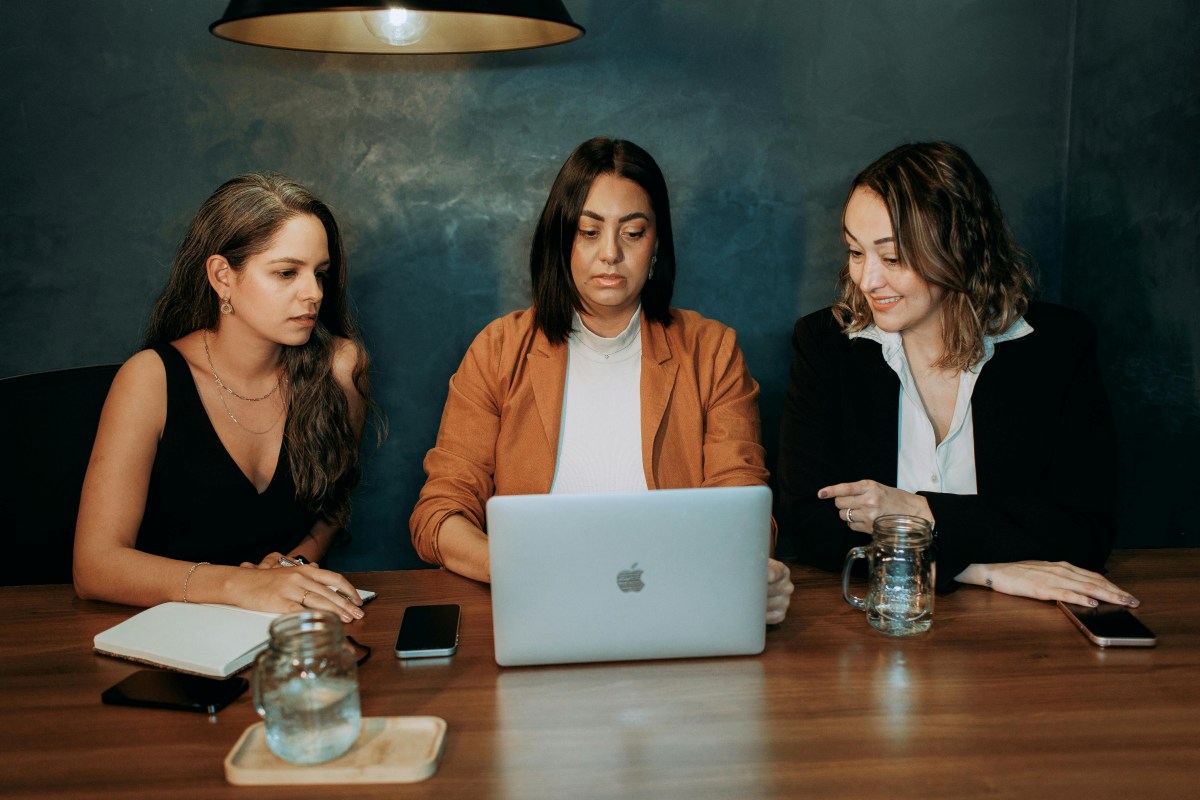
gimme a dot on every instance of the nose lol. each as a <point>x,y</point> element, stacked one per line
<point>610,250</point>
<point>310,290</point>
<point>873,276</point>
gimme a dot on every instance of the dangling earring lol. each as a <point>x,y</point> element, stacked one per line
<point>653,261</point>
<point>226,306</point>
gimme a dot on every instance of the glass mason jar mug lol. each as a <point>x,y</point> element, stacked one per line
<point>900,575</point>
<point>306,688</point>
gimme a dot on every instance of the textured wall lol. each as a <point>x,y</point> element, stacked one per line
<point>122,117</point>
<point>1133,246</point>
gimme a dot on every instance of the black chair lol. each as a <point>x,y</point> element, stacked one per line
<point>47,426</point>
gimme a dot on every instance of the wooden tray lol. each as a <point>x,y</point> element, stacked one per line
<point>388,750</point>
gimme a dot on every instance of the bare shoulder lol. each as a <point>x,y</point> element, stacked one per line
<point>347,355</point>
<point>138,395</point>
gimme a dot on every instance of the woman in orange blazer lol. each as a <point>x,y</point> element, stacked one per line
<point>655,397</point>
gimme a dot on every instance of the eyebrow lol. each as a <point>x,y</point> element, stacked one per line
<point>298,261</point>
<point>884,240</point>
<point>626,218</point>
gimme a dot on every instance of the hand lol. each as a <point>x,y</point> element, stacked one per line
<point>779,591</point>
<point>1048,580</point>
<point>291,589</point>
<point>273,561</point>
<point>859,503</point>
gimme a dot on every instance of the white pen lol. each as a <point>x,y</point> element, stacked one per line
<point>284,561</point>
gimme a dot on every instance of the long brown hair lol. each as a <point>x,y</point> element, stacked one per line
<point>554,291</point>
<point>237,222</point>
<point>949,229</point>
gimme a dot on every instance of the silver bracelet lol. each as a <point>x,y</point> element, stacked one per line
<point>188,578</point>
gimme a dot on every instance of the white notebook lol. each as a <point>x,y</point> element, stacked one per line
<point>200,638</point>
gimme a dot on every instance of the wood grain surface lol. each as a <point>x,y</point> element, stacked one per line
<point>1002,698</point>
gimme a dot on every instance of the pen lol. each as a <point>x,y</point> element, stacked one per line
<point>284,561</point>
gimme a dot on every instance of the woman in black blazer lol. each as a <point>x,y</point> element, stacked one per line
<point>934,387</point>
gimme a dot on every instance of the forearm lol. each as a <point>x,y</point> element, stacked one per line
<point>128,576</point>
<point>316,543</point>
<point>464,548</point>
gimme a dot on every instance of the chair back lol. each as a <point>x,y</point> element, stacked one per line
<point>48,424</point>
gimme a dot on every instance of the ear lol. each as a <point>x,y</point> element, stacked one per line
<point>220,275</point>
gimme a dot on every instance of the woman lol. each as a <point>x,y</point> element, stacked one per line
<point>233,437</point>
<point>935,387</point>
<point>601,385</point>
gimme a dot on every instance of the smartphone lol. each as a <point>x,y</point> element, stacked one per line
<point>428,631</point>
<point>1109,625</point>
<point>156,688</point>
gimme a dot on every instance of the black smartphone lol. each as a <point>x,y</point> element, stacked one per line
<point>428,631</point>
<point>1109,625</point>
<point>156,688</point>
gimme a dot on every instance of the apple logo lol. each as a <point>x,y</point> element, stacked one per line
<point>630,580</point>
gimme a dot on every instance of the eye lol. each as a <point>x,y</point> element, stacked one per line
<point>322,274</point>
<point>287,273</point>
<point>635,233</point>
<point>891,261</point>
<point>854,254</point>
<point>588,233</point>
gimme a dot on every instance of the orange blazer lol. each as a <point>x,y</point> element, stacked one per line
<point>500,427</point>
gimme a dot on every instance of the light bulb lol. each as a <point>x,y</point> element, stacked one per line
<point>396,26</point>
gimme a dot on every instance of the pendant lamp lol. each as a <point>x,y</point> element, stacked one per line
<point>398,26</point>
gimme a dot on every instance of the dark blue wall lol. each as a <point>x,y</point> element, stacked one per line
<point>122,117</point>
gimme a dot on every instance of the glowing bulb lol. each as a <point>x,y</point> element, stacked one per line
<point>396,26</point>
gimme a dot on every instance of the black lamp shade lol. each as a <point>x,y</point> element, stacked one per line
<point>451,26</point>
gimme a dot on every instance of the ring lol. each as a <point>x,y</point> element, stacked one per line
<point>849,516</point>
<point>304,596</point>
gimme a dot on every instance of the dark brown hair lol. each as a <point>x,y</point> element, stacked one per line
<point>554,293</point>
<point>949,229</point>
<point>237,222</point>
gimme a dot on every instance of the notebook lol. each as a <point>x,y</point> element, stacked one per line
<point>672,573</point>
<point>200,638</point>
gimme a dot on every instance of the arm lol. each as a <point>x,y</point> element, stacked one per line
<point>447,521</point>
<point>813,447</point>
<point>107,564</point>
<point>733,453</point>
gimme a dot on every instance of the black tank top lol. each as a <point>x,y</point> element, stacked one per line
<point>200,506</point>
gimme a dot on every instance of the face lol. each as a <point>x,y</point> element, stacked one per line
<point>278,292</point>
<point>610,258</point>
<point>900,299</point>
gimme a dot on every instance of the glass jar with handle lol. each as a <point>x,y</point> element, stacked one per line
<point>900,575</point>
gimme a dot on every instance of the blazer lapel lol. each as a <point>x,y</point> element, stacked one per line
<point>658,381</point>
<point>874,412</point>
<point>547,366</point>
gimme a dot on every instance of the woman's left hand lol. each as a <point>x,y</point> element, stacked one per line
<point>860,502</point>
<point>1048,580</point>
<point>779,591</point>
<point>272,561</point>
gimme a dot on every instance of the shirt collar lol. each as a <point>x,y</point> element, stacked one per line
<point>891,343</point>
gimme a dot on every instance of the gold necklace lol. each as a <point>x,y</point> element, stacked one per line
<point>217,378</point>
<point>267,429</point>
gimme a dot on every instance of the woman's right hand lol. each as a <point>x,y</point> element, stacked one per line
<point>1048,580</point>
<point>263,587</point>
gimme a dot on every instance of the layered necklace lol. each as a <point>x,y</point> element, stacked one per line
<point>226,390</point>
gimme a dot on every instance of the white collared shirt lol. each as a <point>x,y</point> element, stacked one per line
<point>600,438</point>
<point>923,465</point>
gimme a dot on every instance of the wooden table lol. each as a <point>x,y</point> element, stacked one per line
<point>1003,698</point>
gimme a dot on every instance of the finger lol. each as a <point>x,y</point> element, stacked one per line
<point>776,610</point>
<point>777,571</point>
<point>323,598</point>
<point>837,490</point>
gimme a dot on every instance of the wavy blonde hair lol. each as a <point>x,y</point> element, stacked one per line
<point>948,228</point>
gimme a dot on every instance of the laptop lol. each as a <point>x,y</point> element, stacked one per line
<point>671,573</point>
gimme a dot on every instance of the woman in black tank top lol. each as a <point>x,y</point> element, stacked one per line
<point>232,439</point>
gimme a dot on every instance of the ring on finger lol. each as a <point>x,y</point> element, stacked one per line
<point>304,596</point>
<point>849,516</point>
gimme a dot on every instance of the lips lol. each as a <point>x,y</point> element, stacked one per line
<point>308,320</point>
<point>609,281</point>
<point>884,303</point>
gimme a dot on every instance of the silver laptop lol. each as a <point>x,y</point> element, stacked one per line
<point>671,573</point>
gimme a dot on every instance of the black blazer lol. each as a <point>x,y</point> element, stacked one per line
<point>1045,448</point>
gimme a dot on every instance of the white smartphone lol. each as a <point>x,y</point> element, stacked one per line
<point>428,631</point>
<point>1109,625</point>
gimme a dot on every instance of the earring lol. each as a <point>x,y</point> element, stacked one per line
<point>226,306</point>
<point>653,261</point>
